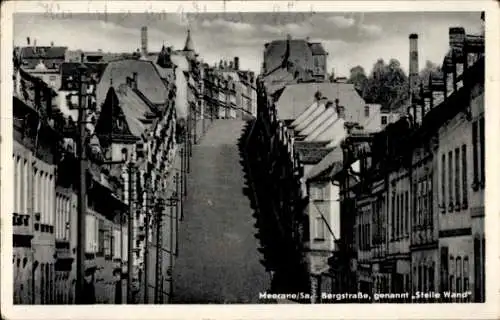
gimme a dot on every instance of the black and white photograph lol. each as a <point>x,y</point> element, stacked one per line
<point>267,157</point>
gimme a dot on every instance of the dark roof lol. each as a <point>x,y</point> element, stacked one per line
<point>330,161</point>
<point>69,73</point>
<point>312,155</point>
<point>275,52</point>
<point>149,81</point>
<point>43,52</point>
<point>298,145</point>
<point>317,49</point>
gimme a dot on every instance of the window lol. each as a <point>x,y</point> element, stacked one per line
<point>360,240</point>
<point>407,212</point>
<point>384,120</point>
<point>402,215</point>
<point>425,205</point>
<point>444,268</point>
<point>24,188</point>
<point>464,177</point>
<point>420,202</point>
<point>397,215</point>
<point>430,201</point>
<point>481,143</point>
<point>420,278</point>
<point>443,182</point>
<point>466,274</point>
<point>450,180</point>
<point>452,273</point>
<point>457,178</point>
<point>479,269</point>
<point>431,276</point>
<point>42,283</point>
<point>393,216</point>
<point>458,268</point>
<point>367,111</point>
<point>320,229</point>
<point>415,202</point>
<point>424,280</point>
<point>107,245</point>
<point>475,160</point>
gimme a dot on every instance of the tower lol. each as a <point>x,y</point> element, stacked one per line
<point>189,42</point>
<point>414,78</point>
<point>144,41</point>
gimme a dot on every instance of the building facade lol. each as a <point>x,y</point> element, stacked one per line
<point>415,225</point>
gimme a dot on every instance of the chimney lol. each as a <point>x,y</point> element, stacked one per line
<point>144,41</point>
<point>34,43</point>
<point>236,63</point>
<point>28,40</point>
<point>52,43</point>
<point>134,80</point>
<point>414,79</point>
<point>457,37</point>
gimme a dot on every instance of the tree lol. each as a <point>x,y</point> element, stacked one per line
<point>387,85</point>
<point>424,73</point>
<point>359,79</point>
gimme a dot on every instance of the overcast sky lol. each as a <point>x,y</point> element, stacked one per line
<point>350,38</point>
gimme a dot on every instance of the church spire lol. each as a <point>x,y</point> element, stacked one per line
<point>189,43</point>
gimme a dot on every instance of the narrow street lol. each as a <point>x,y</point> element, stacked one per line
<point>218,260</point>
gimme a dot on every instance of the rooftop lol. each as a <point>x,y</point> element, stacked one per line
<point>149,80</point>
<point>296,98</point>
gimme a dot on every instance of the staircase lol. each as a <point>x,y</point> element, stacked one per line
<point>218,259</point>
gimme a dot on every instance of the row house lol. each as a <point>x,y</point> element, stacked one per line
<point>461,154</point>
<point>318,132</point>
<point>44,195</point>
<point>279,206</point>
<point>43,62</point>
<point>419,183</point>
<point>34,191</point>
<point>248,98</point>
<point>145,130</point>
<point>310,121</point>
<point>243,83</point>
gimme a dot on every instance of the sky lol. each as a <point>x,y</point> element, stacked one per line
<point>351,39</point>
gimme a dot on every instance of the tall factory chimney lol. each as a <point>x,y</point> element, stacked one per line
<point>144,41</point>
<point>414,78</point>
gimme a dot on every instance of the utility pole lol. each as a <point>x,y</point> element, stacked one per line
<point>82,188</point>
<point>130,262</point>
<point>158,277</point>
<point>172,202</point>
<point>146,246</point>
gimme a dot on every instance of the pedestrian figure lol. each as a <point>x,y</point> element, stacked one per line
<point>89,288</point>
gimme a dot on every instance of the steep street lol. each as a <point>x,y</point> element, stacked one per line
<point>218,260</point>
